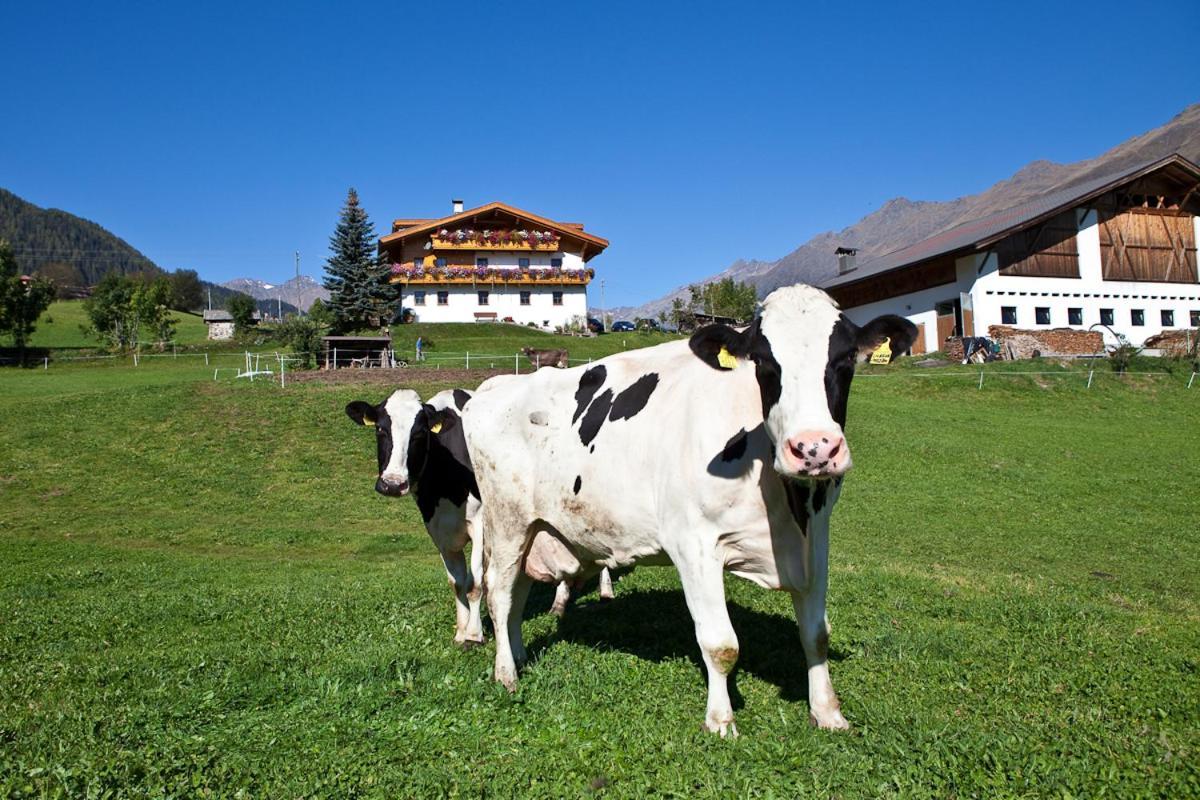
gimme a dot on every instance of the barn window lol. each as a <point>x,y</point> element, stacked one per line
<point>1107,317</point>
<point>418,298</point>
<point>1168,318</point>
<point>1008,315</point>
<point>441,262</point>
<point>1148,244</point>
<point>523,263</point>
<point>1074,316</point>
<point>483,298</point>
<point>525,298</point>
<point>1194,318</point>
<point>556,262</point>
<point>1137,317</point>
<point>1047,250</point>
<point>481,262</point>
<point>1042,315</point>
<point>557,298</point>
<point>443,298</point>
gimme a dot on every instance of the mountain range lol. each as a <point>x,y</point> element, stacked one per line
<point>300,291</point>
<point>902,222</point>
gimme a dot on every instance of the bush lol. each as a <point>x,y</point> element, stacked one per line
<point>1122,356</point>
<point>303,335</point>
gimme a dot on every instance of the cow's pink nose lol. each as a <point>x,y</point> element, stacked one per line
<point>819,453</point>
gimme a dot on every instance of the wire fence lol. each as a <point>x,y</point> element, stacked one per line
<point>275,364</point>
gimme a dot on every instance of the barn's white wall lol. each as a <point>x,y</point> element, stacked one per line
<point>979,275</point>
<point>504,301</point>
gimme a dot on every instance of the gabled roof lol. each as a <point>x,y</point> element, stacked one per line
<point>981,233</point>
<point>412,227</point>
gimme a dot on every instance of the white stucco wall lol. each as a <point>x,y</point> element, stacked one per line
<point>504,301</point>
<point>979,275</point>
<point>220,331</point>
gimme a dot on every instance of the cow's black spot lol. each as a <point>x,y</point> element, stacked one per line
<point>383,437</point>
<point>818,496</point>
<point>589,384</point>
<point>735,448</point>
<point>592,449</point>
<point>839,368</point>
<point>633,399</point>
<point>578,483</point>
<point>595,416</point>
<point>461,398</point>
<point>797,498</point>
<point>446,472</point>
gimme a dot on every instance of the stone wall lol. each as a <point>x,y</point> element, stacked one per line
<point>1054,342</point>
<point>1174,343</point>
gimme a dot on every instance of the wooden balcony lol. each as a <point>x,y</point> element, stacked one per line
<point>498,277</point>
<point>474,244</point>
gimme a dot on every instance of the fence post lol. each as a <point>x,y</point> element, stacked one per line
<point>1091,372</point>
<point>174,350</point>
<point>468,359</point>
<point>516,364</point>
<point>46,362</point>
<point>282,374</point>
<point>981,379</point>
<point>1191,379</point>
<point>206,358</point>
<point>335,358</point>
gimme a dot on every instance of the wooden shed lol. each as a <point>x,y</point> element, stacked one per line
<point>357,351</point>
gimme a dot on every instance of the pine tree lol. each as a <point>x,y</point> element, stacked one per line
<point>355,275</point>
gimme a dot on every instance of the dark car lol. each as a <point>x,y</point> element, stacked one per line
<point>622,325</point>
<point>594,325</point>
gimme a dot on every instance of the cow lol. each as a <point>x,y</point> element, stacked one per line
<point>746,457</point>
<point>421,449</point>
<point>546,358</point>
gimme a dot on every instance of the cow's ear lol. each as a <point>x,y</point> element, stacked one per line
<point>439,420</point>
<point>720,346</point>
<point>362,413</point>
<point>900,332</point>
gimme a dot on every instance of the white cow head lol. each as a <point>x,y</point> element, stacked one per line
<point>403,427</point>
<point>803,350</point>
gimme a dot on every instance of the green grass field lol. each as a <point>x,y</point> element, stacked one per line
<point>202,595</point>
<point>59,327</point>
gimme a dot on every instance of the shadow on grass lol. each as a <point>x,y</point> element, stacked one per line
<point>655,625</point>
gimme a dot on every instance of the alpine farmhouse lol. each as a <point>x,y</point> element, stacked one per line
<point>1115,253</point>
<point>493,263</point>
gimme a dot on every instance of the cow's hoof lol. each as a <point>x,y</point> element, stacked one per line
<point>832,721</point>
<point>558,611</point>
<point>470,644</point>
<point>725,728</point>
<point>607,595</point>
<point>507,679</point>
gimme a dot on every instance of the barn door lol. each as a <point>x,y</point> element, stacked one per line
<point>968,313</point>
<point>918,346</point>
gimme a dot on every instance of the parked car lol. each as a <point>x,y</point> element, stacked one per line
<point>623,325</point>
<point>594,325</point>
<point>646,324</point>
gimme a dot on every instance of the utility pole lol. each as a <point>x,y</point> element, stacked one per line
<point>299,310</point>
<point>210,298</point>
<point>603,314</point>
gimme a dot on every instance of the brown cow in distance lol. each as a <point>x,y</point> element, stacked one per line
<point>546,358</point>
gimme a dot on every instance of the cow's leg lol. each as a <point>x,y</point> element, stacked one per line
<point>606,590</point>
<point>824,709</point>
<point>506,593</point>
<point>474,630</point>
<point>460,581</point>
<point>562,596</point>
<point>704,590</point>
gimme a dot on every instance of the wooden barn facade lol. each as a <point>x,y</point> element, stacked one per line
<point>1116,253</point>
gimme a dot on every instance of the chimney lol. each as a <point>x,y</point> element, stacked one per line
<point>457,204</point>
<point>846,256</point>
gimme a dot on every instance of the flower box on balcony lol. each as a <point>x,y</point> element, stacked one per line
<point>451,244</point>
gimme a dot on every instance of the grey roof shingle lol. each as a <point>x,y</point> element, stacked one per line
<point>982,230</point>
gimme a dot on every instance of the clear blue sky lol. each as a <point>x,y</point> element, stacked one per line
<point>222,137</point>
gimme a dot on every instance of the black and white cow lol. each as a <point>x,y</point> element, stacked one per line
<point>421,449</point>
<point>725,452</point>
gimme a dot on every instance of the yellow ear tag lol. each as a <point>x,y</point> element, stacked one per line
<point>435,428</point>
<point>726,358</point>
<point>368,422</point>
<point>883,353</point>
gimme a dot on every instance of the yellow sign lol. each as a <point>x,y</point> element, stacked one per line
<point>883,353</point>
<point>726,358</point>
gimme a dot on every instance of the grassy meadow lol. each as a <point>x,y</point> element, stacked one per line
<point>202,595</point>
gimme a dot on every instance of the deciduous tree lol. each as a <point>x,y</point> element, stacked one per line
<point>22,300</point>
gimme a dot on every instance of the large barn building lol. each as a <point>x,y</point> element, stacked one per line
<point>494,262</point>
<point>1116,253</point>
